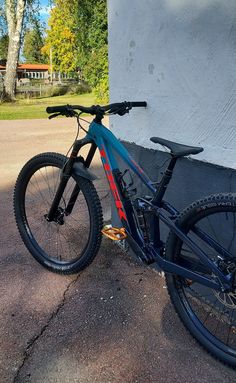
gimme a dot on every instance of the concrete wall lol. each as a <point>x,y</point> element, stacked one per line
<point>191,180</point>
<point>179,56</point>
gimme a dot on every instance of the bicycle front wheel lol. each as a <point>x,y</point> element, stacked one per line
<point>69,243</point>
<point>209,315</point>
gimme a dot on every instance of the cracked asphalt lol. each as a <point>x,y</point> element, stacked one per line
<point>112,323</point>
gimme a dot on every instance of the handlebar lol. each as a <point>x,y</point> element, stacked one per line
<point>68,108</point>
<point>120,108</point>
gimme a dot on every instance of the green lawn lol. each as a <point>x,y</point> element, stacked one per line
<point>35,108</point>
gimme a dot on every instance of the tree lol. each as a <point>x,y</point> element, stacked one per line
<point>95,54</point>
<point>4,40</point>
<point>14,12</point>
<point>96,73</point>
<point>61,37</point>
<point>3,21</point>
<point>33,43</point>
<point>78,38</point>
<point>14,15</point>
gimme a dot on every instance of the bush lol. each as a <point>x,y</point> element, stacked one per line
<point>57,90</point>
<point>101,91</point>
<point>80,88</point>
<point>51,90</point>
<point>96,73</point>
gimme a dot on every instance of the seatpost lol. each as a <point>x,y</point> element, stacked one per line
<point>162,186</point>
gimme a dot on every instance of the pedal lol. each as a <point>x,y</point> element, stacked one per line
<point>114,233</point>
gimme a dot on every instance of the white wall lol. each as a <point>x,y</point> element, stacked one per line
<point>179,56</point>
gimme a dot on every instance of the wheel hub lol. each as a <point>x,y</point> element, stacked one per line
<point>228,299</point>
<point>58,217</point>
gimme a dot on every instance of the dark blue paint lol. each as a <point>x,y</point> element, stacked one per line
<point>105,140</point>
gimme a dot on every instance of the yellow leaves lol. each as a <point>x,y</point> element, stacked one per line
<point>66,34</point>
<point>45,50</point>
<point>61,38</point>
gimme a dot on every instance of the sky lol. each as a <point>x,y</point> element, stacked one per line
<point>44,12</point>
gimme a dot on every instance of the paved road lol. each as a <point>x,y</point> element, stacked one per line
<point>111,323</point>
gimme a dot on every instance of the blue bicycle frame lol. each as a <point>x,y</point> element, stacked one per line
<point>108,144</point>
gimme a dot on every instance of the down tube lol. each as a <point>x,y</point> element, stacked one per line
<point>123,205</point>
<point>109,164</point>
<point>101,135</point>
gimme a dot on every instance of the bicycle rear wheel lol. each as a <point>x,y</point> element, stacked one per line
<point>69,243</point>
<point>209,315</point>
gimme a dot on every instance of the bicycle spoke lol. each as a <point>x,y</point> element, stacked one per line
<point>59,241</point>
<point>216,310</point>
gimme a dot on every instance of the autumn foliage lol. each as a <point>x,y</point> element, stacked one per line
<point>77,39</point>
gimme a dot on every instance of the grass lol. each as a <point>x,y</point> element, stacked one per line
<point>35,108</point>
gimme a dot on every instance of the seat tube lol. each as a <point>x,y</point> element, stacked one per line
<point>164,182</point>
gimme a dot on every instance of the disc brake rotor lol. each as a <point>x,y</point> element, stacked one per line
<point>227,299</point>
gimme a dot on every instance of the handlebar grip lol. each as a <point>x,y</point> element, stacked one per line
<point>56,109</point>
<point>135,104</point>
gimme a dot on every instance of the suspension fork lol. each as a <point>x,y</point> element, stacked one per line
<point>65,175</point>
<point>76,189</point>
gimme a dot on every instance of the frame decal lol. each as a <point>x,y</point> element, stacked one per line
<point>112,184</point>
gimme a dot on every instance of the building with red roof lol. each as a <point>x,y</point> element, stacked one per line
<point>34,71</point>
<point>30,71</point>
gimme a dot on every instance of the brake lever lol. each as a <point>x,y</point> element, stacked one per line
<point>54,115</point>
<point>124,110</point>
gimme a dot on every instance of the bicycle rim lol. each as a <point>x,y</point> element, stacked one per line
<point>209,315</point>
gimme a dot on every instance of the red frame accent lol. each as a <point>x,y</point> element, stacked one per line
<point>112,183</point>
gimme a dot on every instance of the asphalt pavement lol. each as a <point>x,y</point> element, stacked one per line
<point>112,323</point>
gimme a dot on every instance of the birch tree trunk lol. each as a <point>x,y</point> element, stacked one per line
<point>15,14</point>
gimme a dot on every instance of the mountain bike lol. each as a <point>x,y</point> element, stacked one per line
<point>60,220</point>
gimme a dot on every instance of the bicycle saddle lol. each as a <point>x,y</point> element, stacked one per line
<point>177,150</point>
